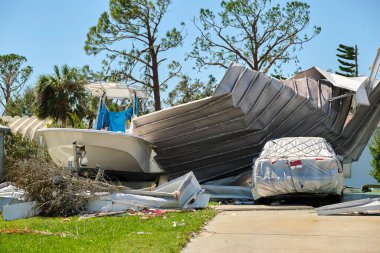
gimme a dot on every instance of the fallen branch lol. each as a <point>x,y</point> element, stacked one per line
<point>95,215</point>
<point>32,232</point>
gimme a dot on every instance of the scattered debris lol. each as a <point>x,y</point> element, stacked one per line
<point>218,192</point>
<point>66,220</point>
<point>20,211</point>
<point>367,206</point>
<point>10,194</point>
<point>243,202</point>
<point>369,187</point>
<point>178,224</point>
<point>199,201</point>
<point>181,193</point>
<point>143,233</point>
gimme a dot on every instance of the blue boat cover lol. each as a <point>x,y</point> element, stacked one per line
<point>102,120</point>
<point>128,113</point>
<point>115,121</point>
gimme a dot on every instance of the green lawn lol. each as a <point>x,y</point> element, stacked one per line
<point>106,234</point>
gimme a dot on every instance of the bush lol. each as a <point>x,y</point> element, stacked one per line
<point>375,152</point>
<point>17,148</point>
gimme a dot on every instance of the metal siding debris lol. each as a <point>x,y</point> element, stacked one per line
<point>20,211</point>
<point>367,205</point>
<point>181,193</point>
<point>10,194</point>
<point>26,126</point>
<point>218,192</point>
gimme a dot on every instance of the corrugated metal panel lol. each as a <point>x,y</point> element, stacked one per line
<point>27,126</point>
<point>356,134</point>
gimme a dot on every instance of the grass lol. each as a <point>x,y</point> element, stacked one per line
<point>106,234</point>
<point>213,203</point>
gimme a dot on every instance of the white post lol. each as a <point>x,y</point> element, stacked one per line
<point>375,67</point>
<point>96,119</point>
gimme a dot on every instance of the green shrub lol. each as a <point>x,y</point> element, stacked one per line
<point>375,152</point>
<point>17,147</point>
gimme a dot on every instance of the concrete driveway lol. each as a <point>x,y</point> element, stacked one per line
<point>285,230</point>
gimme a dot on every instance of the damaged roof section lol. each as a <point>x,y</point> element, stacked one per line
<point>355,84</point>
<point>219,136</point>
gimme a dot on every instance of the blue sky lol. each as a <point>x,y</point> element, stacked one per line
<point>53,32</point>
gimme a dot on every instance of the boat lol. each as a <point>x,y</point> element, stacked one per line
<point>117,152</point>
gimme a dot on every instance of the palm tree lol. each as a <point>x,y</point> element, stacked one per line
<point>61,95</point>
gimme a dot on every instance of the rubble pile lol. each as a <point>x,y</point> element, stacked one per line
<point>67,195</point>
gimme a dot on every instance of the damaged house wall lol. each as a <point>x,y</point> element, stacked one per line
<point>358,171</point>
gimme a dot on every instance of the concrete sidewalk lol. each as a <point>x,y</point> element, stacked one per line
<point>287,231</point>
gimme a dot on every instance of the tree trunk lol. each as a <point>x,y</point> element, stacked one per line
<point>156,83</point>
<point>64,122</point>
<point>90,123</point>
<point>7,98</point>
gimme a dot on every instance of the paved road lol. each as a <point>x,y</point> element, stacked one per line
<point>287,231</point>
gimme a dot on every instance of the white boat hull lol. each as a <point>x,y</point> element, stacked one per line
<point>111,151</point>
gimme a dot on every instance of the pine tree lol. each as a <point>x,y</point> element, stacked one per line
<point>131,35</point>
<point>348,60</point>
<point>259,34</point>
